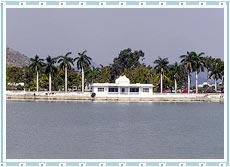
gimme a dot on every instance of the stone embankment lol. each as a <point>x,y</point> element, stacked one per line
<point>73,96</point>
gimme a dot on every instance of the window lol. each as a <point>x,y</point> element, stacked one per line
<point>145,89</point>
<point>124,90</point>
<point>100,89</point>
<point>134,89</point>
<point>113,89</point>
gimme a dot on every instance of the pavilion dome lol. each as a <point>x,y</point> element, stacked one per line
<point>122,80</point>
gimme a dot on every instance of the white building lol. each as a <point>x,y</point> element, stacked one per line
<point>205,83</point>
<point>122,86</point>
<point>15,84</point>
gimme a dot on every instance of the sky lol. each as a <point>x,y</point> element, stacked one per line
<point>105,32</point>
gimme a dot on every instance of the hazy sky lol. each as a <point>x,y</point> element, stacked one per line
<point>105,32</point>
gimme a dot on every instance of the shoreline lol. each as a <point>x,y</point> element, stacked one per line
<point>169,97</point>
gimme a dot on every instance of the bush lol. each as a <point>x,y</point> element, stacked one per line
<point>205,87</point>
<point>20,87</point>
<point>93,94</point>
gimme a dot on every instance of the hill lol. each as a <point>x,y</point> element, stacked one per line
<point>15,58</point>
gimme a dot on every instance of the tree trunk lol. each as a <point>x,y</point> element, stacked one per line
<point>207,75</point>
<point>50,82</point>
<point>37,81</point>
<point>175,86</point>
<point>188,82</point>
<point>215,84</point>
<point>82,80</point>
<point>65,79</point>
<point>196,82</point>
<point>161,82</point>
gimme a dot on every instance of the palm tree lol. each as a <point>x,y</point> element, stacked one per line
<point>188,62</point>
<point>161,66</point>
<point>199,64</point>
<point>221,63</point>
<point>83,61</point>
<point>36,65</point>
<point>208,63</point>
<point>222,70</point>
<point>50,68</point>
<point>215,72</point>
<point>175,70</point>
<point>65,62</point>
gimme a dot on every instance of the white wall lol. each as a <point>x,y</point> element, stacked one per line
<point>106,91</point>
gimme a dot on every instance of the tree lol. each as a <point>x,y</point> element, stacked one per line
<point>14,75</point>
<point>92,75</point>
<point>140,74</point>
<point>36,65</point>
<point>176,73</point>
<point>216,72</point>
<point>222,71</point>
<point>59,79</point>
<point>66,62</point>
<point>74,78</point>
<point>199,64</point>
<point>208,64</point>
<point>83,61</point>
<point>50,69</point>
<point>221,63</point>
<point>161,67</point>
<point>105,74</point>
<point>125,60</point>
<point>28,78</point>
<point>188,62</point>
<point>44,81</point>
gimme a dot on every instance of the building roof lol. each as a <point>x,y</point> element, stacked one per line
<point>120,85</point>
<point>122,81</point>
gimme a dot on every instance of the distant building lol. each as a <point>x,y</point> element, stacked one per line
<point>204,84</point>
<point>15,84</point>
<point>122,86</point>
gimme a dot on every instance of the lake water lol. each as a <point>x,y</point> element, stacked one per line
<point>114,130</point>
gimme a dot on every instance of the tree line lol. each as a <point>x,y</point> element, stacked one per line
<point>58,73</point>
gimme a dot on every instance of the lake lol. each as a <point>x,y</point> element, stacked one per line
<point>114,130</point>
